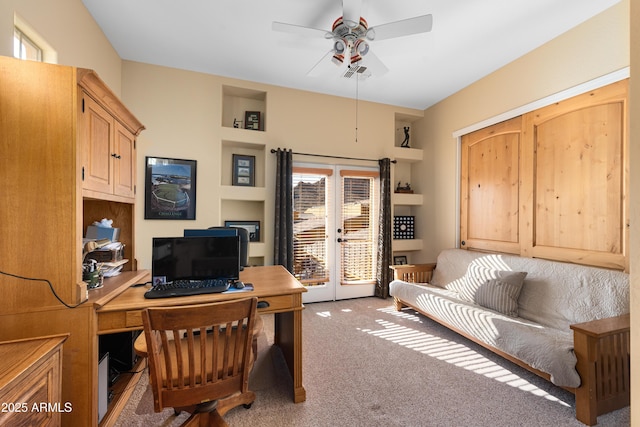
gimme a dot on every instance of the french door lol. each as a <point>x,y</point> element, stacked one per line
<point>335,230</point>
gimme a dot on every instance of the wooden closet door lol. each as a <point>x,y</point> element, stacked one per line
<point>575,154</point>
<point>489,189</point>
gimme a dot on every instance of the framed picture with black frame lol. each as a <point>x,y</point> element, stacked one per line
<point>253,227</point>
<point>170,188</point>
<point>400,260</point>
<point>244,170</point>
<point>252,120</point>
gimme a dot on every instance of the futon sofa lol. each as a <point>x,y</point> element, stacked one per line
<point>565,322</point>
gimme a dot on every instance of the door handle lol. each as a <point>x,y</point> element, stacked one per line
<point>340,240</point>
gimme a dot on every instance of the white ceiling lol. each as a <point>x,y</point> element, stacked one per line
<point>233,38</point>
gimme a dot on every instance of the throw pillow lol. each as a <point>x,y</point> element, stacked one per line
<point>477,274</point>
<point>501,294</point>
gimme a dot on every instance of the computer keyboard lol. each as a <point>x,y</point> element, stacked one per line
<point>179,288</point>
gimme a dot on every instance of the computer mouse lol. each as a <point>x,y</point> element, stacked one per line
<point>238,285</point>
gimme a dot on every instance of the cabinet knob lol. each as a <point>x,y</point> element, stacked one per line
<point>116,156</point>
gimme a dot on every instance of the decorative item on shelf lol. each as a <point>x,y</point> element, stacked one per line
<point>400,260</point>
<point>406,189</point>
<point>170,189</point>
<point>253,227</point>
<point>405,142</point>
<point>91,274</point>
<point>403,227</point>
<point>252,120</point>
<point>244,170</point>
<point>236,123</point>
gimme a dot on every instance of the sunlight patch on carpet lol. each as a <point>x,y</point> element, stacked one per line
<point>451,352</point>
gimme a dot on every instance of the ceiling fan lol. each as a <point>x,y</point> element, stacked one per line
<point>350,35</point>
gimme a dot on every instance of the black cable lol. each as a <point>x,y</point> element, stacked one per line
<point>137,285</point>
<point>53,291</point>
<point>132,385</point>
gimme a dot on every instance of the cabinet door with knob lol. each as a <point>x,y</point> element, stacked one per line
<point>108,165</point>
<point>124,155</point>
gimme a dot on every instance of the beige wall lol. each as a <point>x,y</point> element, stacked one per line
<point>595,48</point>
<point>69,28</point>
<point>182,113</point>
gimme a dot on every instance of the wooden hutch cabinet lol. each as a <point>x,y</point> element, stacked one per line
<point>58,125</point>
<point>109,145</point>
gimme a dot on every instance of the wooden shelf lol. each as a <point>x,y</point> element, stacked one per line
<point>114,286</point>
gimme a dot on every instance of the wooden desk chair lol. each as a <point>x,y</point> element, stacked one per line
<point>200,357</point>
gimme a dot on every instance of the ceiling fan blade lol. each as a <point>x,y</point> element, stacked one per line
<point>405,27</point>
<point>324,66</point>
<point>373,63</point>
<point>351,10</point>
<point>300,30</point>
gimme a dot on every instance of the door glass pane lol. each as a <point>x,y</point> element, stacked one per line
<point>310,207</point>
<point>357,248</point>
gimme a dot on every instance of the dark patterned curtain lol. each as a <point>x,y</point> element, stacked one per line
<point>283,245</point>
<point>383,274</point>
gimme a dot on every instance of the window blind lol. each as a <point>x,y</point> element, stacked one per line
<point>358,228</point>
<point>311,203</point>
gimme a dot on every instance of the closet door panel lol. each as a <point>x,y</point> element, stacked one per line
<point>579,179</point>
<point>490,188</point>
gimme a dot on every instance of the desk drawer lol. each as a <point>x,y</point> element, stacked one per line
<point>118,321</point>
<point>278,303</point>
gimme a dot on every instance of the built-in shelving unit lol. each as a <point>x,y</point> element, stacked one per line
<point>237,202</point>
<point>405,204</point>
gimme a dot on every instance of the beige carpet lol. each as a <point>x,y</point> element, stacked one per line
<point>368,365</point>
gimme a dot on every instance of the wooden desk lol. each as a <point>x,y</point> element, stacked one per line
<point>273,285</point>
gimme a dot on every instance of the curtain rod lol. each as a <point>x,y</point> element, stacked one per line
<point>333,157</point>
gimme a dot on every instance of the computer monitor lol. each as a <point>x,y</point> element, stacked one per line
<point>227,231</point>
<point>195,258</point>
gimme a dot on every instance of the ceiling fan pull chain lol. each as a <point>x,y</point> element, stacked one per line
<point>357,81</point>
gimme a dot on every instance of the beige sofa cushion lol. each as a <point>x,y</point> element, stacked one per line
<point>501,294</point>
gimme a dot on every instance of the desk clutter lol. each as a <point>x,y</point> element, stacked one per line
<point>102,253</point>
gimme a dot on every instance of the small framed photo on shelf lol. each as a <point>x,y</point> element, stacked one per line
<point>252,120</point>
<point>244,170</point>
<point>170,188</point>
<point>400,260</point>
<point>253,227</point>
